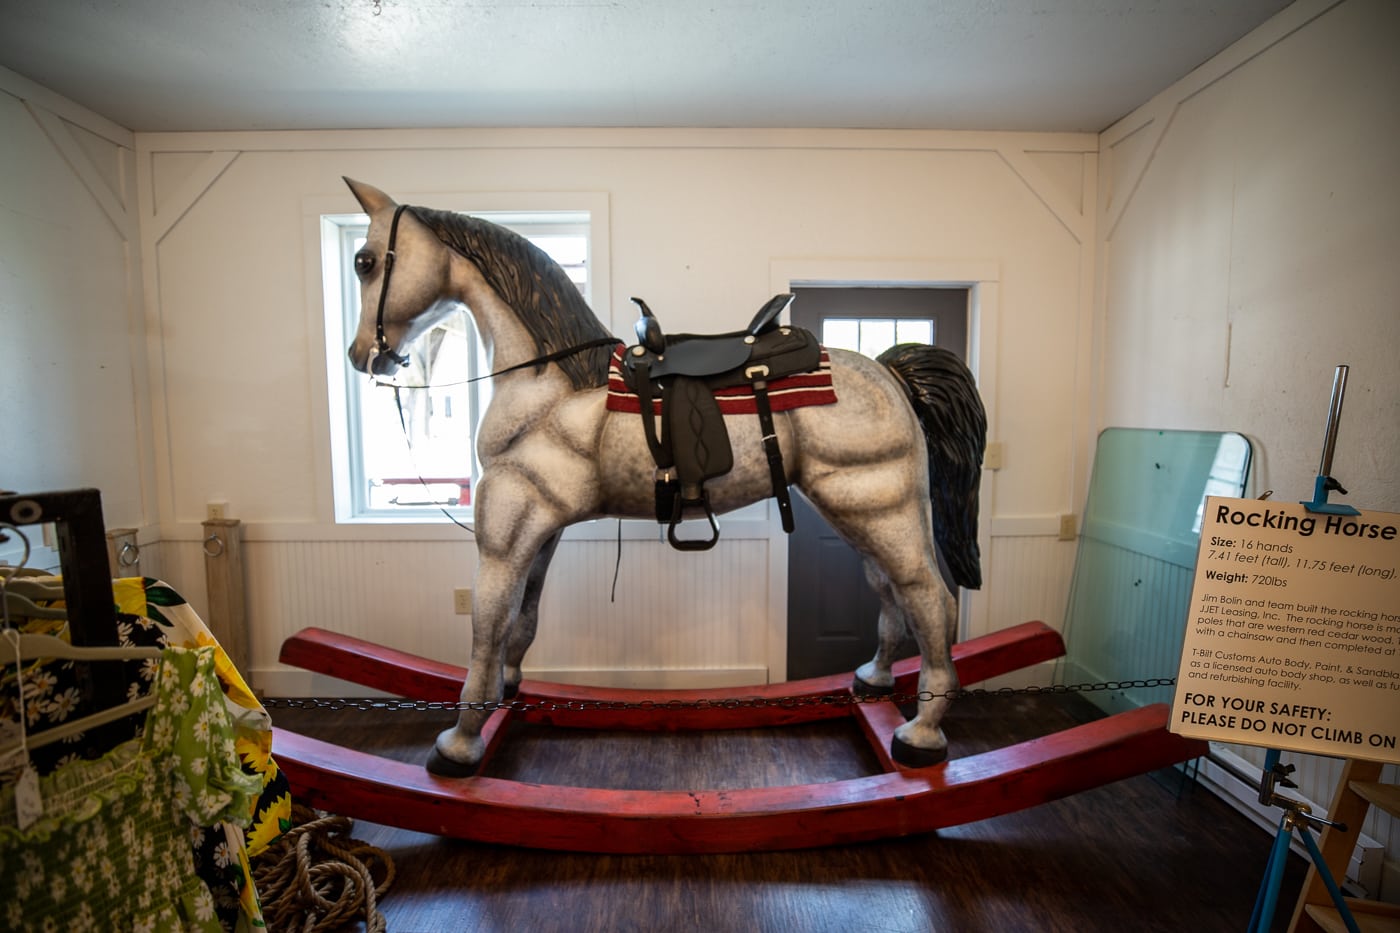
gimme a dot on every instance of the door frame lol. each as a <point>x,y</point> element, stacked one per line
<point>982,279</point>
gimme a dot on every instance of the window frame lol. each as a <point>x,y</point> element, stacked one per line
<point>544,214</point>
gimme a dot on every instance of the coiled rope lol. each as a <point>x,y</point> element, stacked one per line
<point>317,878</point>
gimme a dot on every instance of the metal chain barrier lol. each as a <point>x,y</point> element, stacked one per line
<point>792,702</point>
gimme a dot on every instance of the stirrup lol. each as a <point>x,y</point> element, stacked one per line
<point>692,544</point>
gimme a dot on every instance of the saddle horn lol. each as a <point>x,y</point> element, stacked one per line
<point>648,329</point>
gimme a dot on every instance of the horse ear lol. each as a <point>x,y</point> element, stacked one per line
<point>370,197</point>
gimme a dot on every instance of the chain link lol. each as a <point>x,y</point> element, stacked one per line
<point>791,702</point>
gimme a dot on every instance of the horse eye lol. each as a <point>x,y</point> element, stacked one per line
<point>364,262</point>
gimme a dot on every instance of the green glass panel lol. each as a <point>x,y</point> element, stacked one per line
<point>1137,555</point>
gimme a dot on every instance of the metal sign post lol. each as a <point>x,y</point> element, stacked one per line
<point>1296,814</point>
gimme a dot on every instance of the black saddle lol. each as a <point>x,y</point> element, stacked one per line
<point>692,444</point>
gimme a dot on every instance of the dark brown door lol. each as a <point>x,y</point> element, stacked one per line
<point>832,612</point>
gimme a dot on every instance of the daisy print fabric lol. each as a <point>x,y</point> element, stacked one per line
<point>112,850</point>
<point>150,613</point>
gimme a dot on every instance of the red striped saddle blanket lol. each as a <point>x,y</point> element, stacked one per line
<point>797,391</point>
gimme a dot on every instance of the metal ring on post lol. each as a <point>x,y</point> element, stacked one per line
<point>129,555</point>
<point>218,550</point>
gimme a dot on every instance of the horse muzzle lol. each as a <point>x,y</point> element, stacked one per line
<point>378,362</point>
<point>385,362</point>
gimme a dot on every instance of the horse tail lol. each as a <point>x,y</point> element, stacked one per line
<point>945,399</point>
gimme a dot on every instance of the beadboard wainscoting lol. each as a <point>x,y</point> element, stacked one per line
<point>677,620</point>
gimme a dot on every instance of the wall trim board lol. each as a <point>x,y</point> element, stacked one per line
<point>57,130</point>
<point>753,524</point>
<point>612,138</point>
<point>749,528</point>
<point>12,82</point>
<point>1156,114</point>
<point>1076,221</point>
<point>167,213</point>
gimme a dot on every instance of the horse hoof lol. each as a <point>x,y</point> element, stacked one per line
<point>911,756</point>
<point>510,691</point>
<point>863,689</point>
<point>443,766</point>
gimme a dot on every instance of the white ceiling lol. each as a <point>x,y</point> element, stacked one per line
<point>1042,65</point>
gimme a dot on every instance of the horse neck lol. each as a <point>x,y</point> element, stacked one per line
<point>505,339</point>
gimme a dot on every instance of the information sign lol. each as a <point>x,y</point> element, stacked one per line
<point>1293,631</point>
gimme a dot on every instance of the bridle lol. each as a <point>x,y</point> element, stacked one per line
<point>381,342</point>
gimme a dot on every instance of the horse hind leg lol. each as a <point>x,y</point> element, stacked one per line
<point>920,742</point>
<point>898,541</point>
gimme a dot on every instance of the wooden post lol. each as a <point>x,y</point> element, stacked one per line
<point>123,553</point>
<point>1314,910</point>
<point>223,576</point>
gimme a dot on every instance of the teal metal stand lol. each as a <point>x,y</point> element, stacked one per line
<point>1296,814</point>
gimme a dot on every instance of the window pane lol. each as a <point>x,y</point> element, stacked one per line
<point>565,250</point>
<point>843,333</point>
<point>876,336</point>
<point>910,331</point>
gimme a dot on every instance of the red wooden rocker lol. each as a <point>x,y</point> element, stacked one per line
<point>899,802</point>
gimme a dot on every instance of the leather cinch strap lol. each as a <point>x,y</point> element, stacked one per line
<point>775,455</point>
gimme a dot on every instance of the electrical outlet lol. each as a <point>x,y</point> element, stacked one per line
<point>992,456</point>
<point>216,510</point>
<point>1068,529</point>
<point>462,601</point>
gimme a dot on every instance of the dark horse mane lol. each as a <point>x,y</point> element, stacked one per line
<point>544,298</point>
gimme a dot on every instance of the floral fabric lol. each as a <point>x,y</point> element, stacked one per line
<point>152,614</point>
<point>112,851</point>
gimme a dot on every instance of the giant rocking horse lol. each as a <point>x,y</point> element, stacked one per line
<point>677,427</point>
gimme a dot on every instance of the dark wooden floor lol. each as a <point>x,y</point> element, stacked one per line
<point>1144,854</point>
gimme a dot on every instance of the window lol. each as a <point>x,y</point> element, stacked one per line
<point>412,458</point>
<point>873,336</point>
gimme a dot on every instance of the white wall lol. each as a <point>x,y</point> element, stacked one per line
<point>1250,218</point>
<point>74,405</point>
<point>704,224</point>
<point>1250,222</point>
<point>183,355</point>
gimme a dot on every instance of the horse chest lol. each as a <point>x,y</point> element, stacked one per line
<point>567,423</point>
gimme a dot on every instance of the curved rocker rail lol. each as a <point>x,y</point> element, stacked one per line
<point>897,803</point>
<point>417,678</point>
<point>764,818</point>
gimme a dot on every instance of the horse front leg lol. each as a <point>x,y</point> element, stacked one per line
<point>876,676</point>
<point>513,525</point>
<point>522,632</point>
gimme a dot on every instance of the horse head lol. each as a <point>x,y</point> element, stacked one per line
<point>403,270</point>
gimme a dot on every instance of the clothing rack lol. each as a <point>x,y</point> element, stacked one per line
<point>87,590</point>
